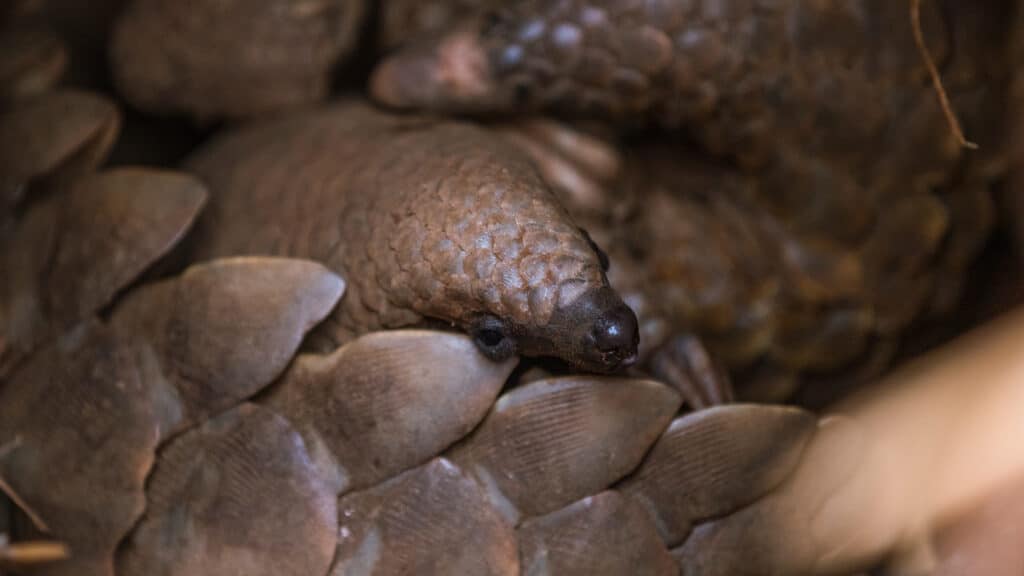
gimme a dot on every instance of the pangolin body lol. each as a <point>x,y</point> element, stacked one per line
<point>829,103</point>
<point>426,219</point>
<point>732,71</point>
<point>235,58</point>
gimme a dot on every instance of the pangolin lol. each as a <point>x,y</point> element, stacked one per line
<point>427,220</point>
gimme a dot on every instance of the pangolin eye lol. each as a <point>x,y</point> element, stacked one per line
<point>491,338</point>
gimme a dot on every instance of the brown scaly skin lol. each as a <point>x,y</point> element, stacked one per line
<point>428,220</point>
<point>824,100</point>
<point>237,58</point>
<point>727,68</point>
<point>627,60</point>
<point>50,139</point>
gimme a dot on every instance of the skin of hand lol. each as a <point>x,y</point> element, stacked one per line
<point>902,458</point>
<point>427,220</point>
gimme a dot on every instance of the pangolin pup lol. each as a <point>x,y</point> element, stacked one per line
<point>427,220</point>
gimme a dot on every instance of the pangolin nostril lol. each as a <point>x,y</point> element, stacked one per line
<point>616,331</point>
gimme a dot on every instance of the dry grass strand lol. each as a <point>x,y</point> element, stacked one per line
<point>933,72</point>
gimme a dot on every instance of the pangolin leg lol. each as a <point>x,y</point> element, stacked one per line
<point>685,364</point>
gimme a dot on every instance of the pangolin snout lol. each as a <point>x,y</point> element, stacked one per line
<point>615,336</point>
<point>597,332</point>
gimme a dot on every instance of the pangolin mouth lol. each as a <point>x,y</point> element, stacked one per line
<point>624,362</point>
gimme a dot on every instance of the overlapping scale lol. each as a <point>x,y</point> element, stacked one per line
<point>237,495</point>
<point>799,528</point>
<point>551,442</point>
<point>72,252</point>
<point>89,417</point>
<point>601,535</point>
<point>53,138</point>
<point>388,401</point>
<point>90,410</point>
<point>225,329</point>
<point>712,462</point>
<point>433,520</point>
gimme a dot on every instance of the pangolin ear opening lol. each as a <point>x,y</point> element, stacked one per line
<point>601,256</point>
<point>492,338</point>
